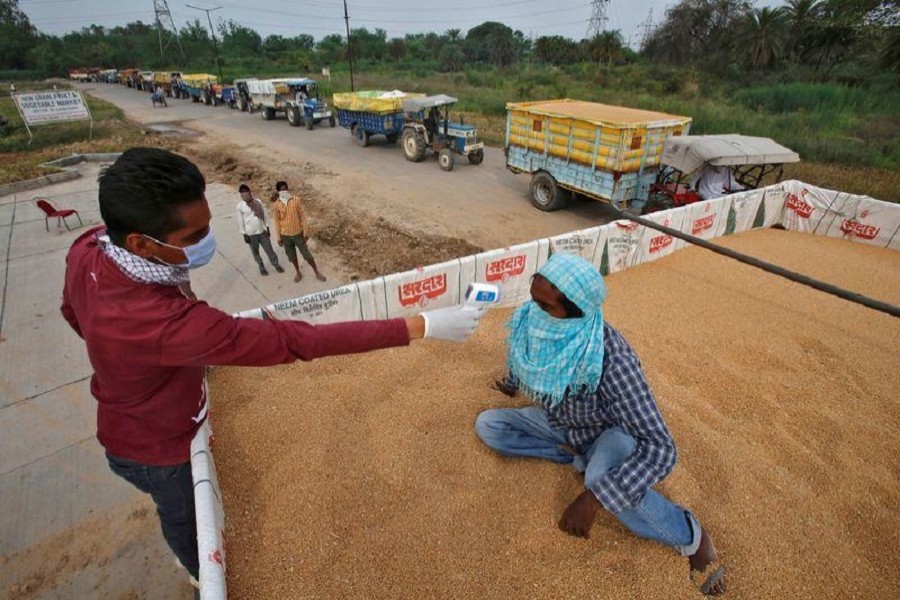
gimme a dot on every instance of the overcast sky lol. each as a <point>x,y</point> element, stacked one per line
<point>321,17</point>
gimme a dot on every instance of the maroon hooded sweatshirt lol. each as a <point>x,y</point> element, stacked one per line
<point>150,346</point>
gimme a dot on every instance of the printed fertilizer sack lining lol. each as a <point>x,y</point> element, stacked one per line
<point>409,293</point>
<point>743,209</point>
<point>707,220</point>
<point>656,244</point>
<point>511,269</point>
<point>582,243</point>
<point>210,517</point>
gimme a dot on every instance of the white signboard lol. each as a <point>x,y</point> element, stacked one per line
<point>40,108</point>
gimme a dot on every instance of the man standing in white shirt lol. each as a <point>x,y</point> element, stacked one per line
<point>253,225</point>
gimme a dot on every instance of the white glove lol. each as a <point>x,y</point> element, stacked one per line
<point>453,324</point>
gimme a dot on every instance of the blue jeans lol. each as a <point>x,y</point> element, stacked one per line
<point>525,432</point>
<point>172,490</point>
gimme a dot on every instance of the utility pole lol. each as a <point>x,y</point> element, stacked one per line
<point>349,46</point>
<point>165,22</point>
<point>213,32</point>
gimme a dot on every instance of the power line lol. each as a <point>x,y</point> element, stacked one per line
<point>213,33</point>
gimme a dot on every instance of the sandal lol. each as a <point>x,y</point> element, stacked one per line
<point>706,579</point>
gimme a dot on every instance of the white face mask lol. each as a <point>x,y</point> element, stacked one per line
<point>284,196</point>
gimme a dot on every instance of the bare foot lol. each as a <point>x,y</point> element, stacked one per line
<point>298,277</point>
<point>321,277</point>
<point>709,578</point>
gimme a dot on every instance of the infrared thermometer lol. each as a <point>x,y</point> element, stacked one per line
<point>482,294</point>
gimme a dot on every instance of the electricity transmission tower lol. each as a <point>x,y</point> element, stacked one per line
<point>597,22</point>
<point>647,28</point>
<point>164,22</point>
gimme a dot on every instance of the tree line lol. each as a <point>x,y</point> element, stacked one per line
<point>727,37</point>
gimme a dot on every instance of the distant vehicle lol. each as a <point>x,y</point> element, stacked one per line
<point>242,94</point>
<point>609,153</point>
<point>427,126</point>
<point>702,167</point>
<point>168,81</point>
<point>79,75</point>
<point>196,86</point>
<point>127,77</point>
<point>109,76</point>
<point>372,113</point>
<point>145,81</point>
<point>298,98</point>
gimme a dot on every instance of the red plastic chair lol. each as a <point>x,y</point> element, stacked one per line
<point>60,214</point>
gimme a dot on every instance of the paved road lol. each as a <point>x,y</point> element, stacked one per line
<point>485,204</point>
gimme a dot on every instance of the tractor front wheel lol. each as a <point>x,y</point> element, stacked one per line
<point>242,105</point>
<point>546,194</point>
<point>445,159</point>
<point>331,121</point>
<point>413,145</point>
<point>361,136</point>
<point>309,122</point>
<point>294,118</point>
<point>477,157</point>
<point>391,138</point>
<point>268,113</point>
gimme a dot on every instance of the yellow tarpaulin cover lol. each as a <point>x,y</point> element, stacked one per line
<point>376,101</point>
<point>198,79</point>
<point>599,114</point>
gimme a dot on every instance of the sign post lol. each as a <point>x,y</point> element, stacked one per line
<point>53,106</point>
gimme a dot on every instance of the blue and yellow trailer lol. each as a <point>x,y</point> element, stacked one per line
<point>609,153</point>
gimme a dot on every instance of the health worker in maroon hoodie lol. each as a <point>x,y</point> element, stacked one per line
<point>149,345</point>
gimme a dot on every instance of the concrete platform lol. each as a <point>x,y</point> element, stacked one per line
<point>69,528</point>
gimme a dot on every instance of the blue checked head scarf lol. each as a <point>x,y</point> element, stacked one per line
<point>551,357</point>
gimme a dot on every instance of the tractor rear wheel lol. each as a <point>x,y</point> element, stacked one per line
<point>477,157</point>
<point>361,136</point>
<point>445,159</point>
<point>294,116</point>
<point>546,194</point>
<point>413,145</point>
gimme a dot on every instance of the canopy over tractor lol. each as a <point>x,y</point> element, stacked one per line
<point>702,167</point>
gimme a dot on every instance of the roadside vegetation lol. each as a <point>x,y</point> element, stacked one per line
<point>819,76</point>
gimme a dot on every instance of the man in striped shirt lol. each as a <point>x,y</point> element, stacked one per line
<point>293,230</point>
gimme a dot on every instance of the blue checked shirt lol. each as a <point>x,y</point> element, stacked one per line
<point>622,399</point>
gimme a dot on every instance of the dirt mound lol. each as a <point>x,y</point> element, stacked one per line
<point>370,245</point>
